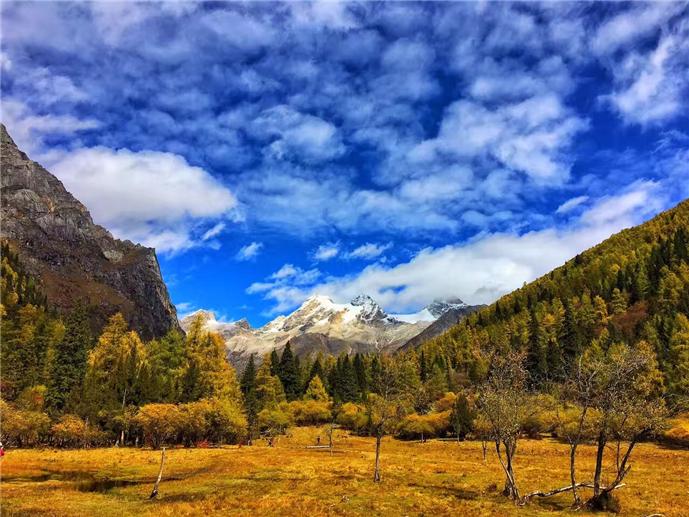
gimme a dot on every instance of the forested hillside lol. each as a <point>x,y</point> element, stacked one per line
<point>632,287</point>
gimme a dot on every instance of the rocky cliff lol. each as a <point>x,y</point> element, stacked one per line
<point>75,260</point>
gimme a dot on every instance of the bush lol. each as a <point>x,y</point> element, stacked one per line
<point>678,433</point>
<point>160,423</point>
<point>72,431</point>
<point>353,417</point>
<point>275,420</point>
<point>424,426</point>
<point>22,428</point>
<point>310,412</point>
<point>225,421</point>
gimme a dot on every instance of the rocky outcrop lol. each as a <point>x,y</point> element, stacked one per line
<point>75,260</point>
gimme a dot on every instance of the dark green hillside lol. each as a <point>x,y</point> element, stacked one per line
<point>633,286</point>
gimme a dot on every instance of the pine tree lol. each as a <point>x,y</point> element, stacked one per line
<point>536,359</point>
<point>345,382</point>
<point>423,367</point>
<point>248,386</point>
<point>274,362</point>
<point>288,372</point>
<point>68,365</point>
<point>361,375</point>
<point>568,336</point>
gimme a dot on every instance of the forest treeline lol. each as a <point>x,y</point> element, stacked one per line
<point>632,288</point>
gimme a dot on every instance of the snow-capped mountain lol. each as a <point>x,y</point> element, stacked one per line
<point>321,325</point>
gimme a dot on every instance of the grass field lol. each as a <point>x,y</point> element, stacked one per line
<point>435,478</point>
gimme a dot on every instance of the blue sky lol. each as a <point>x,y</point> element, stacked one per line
<point>410,151</point>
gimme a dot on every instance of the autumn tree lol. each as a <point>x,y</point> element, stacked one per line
<point>114,375</point>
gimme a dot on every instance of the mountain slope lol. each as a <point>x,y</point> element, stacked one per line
<point>446,320</point>
<point>320,325</point>
<point>633,286</point>
<point>74,259</point>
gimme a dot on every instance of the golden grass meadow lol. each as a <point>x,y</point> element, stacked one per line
<point>432,478</point>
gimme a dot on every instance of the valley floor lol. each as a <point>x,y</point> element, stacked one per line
<point>434,478</point>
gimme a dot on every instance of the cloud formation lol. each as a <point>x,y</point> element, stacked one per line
<point>154,198</point>
<point>249,252</point>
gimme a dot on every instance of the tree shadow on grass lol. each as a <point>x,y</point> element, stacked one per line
<point>458,492</point>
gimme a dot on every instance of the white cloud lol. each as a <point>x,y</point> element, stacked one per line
<point>326,252</point>
<point>368,251</point>
<point>630,25</point>
<point>150,197</point>
<point>652,87</point>
<point>304,135</point>
<point>482,269</point>
<point>531,136</point>
<point>571,204</point>
<point>28,129</point>
<point>641,197</point>
<point>284,286</point>
<point>249,252</point>
<point>214,231</point>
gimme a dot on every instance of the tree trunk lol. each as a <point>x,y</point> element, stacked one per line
<point>572,473</point>
<point>154,493</point>
<point>484,446</point>
<point>376,471</point>
<point>602,440</point>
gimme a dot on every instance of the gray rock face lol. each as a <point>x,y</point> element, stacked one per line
<point>74,259</point>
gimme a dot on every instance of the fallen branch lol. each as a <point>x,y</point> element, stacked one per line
<point>540,493</point>
<point>154,494</point>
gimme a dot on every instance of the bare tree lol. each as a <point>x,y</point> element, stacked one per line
<point>503,402</point>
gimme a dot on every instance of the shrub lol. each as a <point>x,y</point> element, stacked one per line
<point>275,420</point>
<point>352,416</point>
<point>22,428</point>
<point>678,433</point>
<point>424,426</point>
<point>310,412</point>
<point>225,421</point>
<point>445,403</point>
<point>72,431</point>
<point>160,423</point>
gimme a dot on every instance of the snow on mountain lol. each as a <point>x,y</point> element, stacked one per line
<point>322,325</point>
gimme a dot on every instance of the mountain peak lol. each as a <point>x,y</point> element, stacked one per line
<point>370,310</point>
<point>439,306</point>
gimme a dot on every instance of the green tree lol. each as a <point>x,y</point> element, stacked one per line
<point>68,363</point>
<point>248,385</point>
<point>288,372</point>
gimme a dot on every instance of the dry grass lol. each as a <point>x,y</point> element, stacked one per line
<point>435,478</point>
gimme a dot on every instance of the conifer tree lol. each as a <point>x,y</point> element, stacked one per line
<point>248,386</point>
<point>288,372</point>
<point>361,375</point>
<point>68,364</point>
